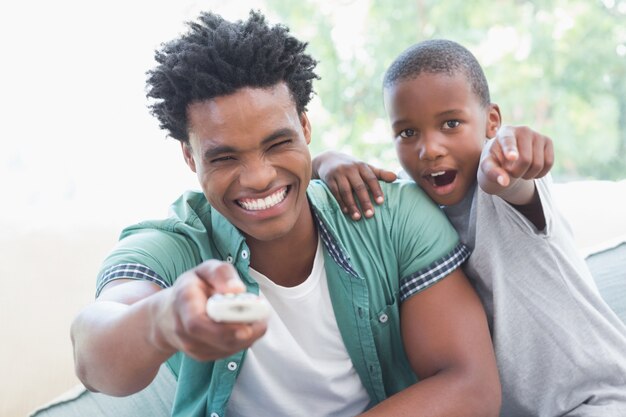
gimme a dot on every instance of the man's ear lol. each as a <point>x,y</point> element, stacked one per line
<point>494,120</point>
<point>188,155</point>
<point>306,127</point>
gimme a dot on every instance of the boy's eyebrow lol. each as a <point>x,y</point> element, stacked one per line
<point>452,112</point>
<point>222,149</point>
<point>398,122</point>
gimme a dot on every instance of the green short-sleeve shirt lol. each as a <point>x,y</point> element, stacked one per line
<point>371,265</point>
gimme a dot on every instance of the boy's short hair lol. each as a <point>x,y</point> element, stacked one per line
<point>438,56</point>
<point>217,57</point>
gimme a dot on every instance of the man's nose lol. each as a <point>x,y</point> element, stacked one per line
<point>257,174</point>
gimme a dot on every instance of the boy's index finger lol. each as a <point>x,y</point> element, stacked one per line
<point>508,142</point>
<point>494,172</point>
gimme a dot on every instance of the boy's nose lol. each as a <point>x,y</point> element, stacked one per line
<point>430,148</point>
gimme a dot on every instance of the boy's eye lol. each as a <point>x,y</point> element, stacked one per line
<point>451,124</point>
<point>407,133</point>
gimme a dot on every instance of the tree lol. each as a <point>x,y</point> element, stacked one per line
<point>556,65</point>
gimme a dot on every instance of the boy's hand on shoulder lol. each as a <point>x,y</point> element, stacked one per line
<point>183,321</point>
<point>515,153</point>
<point>346,175</point>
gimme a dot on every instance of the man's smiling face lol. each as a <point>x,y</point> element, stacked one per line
<point>250,152</point>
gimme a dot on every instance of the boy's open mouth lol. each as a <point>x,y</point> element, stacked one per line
<point>441,178</point>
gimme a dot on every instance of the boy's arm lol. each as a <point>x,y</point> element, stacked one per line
<point>346,175</point>
<point>122,338</point>
<point>447,342</point>
<point>510,163</point>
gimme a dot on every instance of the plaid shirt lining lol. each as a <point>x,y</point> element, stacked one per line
<point>336,253</point>
<point>129,271</point>
<point>434,272</point>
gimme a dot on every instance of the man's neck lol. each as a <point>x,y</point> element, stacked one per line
<point>287,261</point>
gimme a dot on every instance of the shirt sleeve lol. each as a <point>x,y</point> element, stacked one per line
<point>518,219</point>
<point>146,252</point>
<point>427,245</point>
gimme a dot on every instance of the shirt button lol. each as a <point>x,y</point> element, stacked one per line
<point>244,254</point>
<point>215,415</point>
<point>232,366</point>
<point>383,318</point>
<point>229,259</point>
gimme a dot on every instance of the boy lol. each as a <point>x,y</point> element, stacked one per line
<point>560,349</point>
<point>359,325</point>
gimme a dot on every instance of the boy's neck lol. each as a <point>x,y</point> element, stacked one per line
<point>464,204</point>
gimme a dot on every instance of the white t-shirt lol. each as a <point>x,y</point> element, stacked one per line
<point>300,367</point>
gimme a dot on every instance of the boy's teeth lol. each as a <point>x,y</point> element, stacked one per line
<point>255,204</point>
<point>436,174</point>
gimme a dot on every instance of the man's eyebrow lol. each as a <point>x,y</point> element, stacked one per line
<point>278,134</point>
<point>214,152</point>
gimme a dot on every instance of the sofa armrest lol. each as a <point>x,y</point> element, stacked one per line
<point>608,268</point>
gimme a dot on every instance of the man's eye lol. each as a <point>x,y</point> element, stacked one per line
<point>222,159</point>
<point>407,133</point>
<point>451,124</point>
<point>278,144</point>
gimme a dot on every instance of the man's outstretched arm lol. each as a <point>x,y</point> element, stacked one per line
<point>121,339</point>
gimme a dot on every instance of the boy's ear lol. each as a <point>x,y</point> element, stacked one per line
<point>494,120</point>
<point>188,155</point>
<point>306,127</point>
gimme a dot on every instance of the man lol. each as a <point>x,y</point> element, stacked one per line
<point>370,318</point>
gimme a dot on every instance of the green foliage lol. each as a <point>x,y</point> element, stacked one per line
<point>558,66</point>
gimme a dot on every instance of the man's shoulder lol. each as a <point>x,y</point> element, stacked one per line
<point>406,207</point>
<point>405,198</point>
<point>405,188</point>
<point>189,209</point>
<point>402,186</point>
<point>187,224</point>
<point>168,246</point>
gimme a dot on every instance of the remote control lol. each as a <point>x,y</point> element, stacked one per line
<point>242,307</point>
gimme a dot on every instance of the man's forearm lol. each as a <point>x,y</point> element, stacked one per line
<point>115,350</point>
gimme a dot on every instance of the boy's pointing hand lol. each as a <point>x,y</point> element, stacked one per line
<point>516,152</point>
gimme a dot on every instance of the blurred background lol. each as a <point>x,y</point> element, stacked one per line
<point>80,156</point>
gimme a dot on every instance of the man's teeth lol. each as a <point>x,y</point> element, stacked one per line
<point>436,174</point>
<point>264,203</point>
